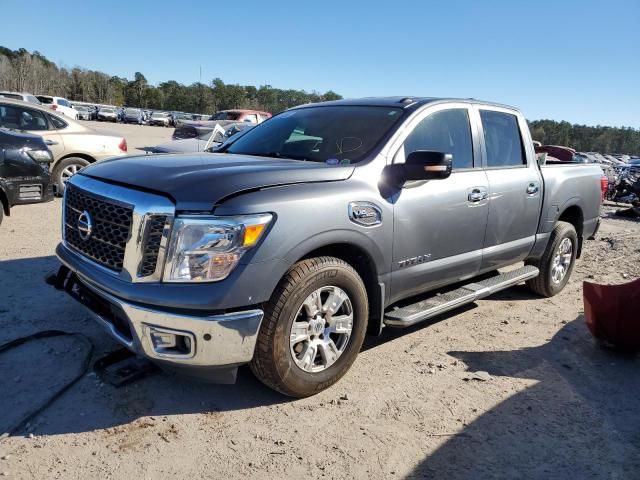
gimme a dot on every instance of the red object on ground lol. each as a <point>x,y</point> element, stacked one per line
<point>612,313</point>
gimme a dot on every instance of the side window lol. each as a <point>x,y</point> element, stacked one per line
<point>22,118</point>
<point>57,123</point>
<point>251,118</point>
<point>502,139</point>
<point>446,131</point>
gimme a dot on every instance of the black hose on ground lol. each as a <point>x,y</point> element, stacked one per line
<point>47,334</point>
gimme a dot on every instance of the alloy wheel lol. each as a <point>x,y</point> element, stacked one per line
<point>321,329</point>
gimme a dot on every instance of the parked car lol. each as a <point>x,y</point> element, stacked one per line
<point>133,115</point>
<point>25,97</point>
<point>107,114</point>
<point>207,141</point>
<point>73,145</point>
<point>251,116</point>
<point>328,221</point>
<point>60,105</point>
<point>84,113</point>
<point>160,118</point>
<point>24,170</point>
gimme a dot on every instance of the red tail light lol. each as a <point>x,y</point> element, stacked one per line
<point>123,145</point>
<point>604,186</point>
<point>54,106</point>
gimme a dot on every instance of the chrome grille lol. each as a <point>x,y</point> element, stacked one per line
<point>155,229</point>
<point>111,229</point>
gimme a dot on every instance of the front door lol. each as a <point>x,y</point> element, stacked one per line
<point>439,225</point>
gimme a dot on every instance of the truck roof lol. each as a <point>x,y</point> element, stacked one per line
<point>406,102</point>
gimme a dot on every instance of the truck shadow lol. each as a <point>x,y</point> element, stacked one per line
<point>580,419</point>
<point>31,372</point>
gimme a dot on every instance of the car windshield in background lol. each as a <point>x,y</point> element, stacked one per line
<point>159,115</point>
<point>106,110</point>
<point>331,134</point>
<point>132,111</point>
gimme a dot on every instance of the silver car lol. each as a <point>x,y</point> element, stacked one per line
<point>25,97</point>
<point>107,114</point>
<point>73,145</point>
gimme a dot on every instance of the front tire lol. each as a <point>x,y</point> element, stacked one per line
<point>313,329</point>
<point>66,169</point>
<point>557,262</point>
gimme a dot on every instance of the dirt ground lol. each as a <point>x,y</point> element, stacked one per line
<point>556,404</point>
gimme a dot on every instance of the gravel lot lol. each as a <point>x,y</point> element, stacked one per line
<point>555,406</point>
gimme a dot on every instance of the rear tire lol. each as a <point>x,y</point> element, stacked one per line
<point>309,357</point>
<point>65,169</point>
<point>557,262</point>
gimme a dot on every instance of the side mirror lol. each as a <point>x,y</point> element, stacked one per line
<point>422,165</point>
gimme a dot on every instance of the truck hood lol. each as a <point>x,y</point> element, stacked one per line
<point>200,181</point>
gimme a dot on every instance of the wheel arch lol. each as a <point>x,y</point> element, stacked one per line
<point>363,263</point>
<point>574,215</point>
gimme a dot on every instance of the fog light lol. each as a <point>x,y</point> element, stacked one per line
<point>168,343</point>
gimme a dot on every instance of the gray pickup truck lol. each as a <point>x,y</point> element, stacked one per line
<point>324,223</point>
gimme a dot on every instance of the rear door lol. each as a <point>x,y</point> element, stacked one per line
<point>439,225</point>
<point>515,187</point>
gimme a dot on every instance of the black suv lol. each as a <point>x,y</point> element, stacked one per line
<point>24,170</point>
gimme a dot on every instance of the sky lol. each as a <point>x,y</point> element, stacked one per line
<point>574,60</point>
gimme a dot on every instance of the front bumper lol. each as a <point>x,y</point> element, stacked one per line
<point>191,343</point>
<point>27,190</point>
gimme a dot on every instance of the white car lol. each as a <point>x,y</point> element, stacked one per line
<point>59,104</point>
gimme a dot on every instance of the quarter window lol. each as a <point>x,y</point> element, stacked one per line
<point>502,139</point>
<point>446,131</point>
<point>57,123</point>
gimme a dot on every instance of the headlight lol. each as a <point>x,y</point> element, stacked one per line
<point>40,156</point>
<point>207,249</point>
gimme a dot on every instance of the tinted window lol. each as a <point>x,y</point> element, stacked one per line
<point>11,95</point>
<point>57,123</point>
<point>446,131</point>
<point>502,139</point>
<point>46,100</point>
<point>22,118</point>
<point>336,134</point>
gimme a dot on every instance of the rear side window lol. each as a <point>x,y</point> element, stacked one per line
<point>446,131</point>
<point>502,139</point>
<point>46,100</point>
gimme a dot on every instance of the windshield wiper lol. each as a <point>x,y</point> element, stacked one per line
<point>273,155</point>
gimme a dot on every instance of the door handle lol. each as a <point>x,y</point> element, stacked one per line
<point>532,189</point>
<point>477,195</point>
<point>50,142</point>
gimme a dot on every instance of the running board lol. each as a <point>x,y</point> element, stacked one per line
<point>425,309</point>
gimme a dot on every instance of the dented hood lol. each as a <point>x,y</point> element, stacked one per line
<point>200,181</point>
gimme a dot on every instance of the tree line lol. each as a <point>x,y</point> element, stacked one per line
<point>23,71</point>
<point>584,138</point>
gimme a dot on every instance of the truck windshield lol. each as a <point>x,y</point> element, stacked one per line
<point>331,134</point>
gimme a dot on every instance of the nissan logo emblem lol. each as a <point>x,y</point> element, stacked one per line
<point>85,225</point>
